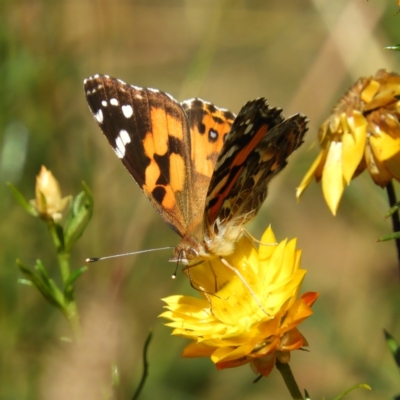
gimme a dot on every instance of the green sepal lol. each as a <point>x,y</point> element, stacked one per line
<point>43,283</point>
<point>80,213</point>
<point>26,205</point>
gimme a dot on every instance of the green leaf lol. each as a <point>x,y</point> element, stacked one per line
<point>79,215</point>
<point>26,205</point>
<point>43,283</point>
<point>390,236</point>
<point>72,278</point>
<point>347,391</point>
<point>393,347</point>
<point>26,282</point>
<point>115,376</point>
<point>395,47</point>
<point>395,208</point>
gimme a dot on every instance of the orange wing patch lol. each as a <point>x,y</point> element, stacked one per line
<point>209,126</point>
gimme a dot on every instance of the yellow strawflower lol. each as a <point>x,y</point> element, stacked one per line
<point>363,132</point>
<point>236,323</point>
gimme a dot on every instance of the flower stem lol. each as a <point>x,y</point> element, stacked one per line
<point>395,216</point>
<point>290,382</point>
<point>63,262</point>
<point>70,309</point>
<point>145,367</point>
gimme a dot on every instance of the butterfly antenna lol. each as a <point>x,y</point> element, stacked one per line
<point>95,259</point>
<point>178,261</point>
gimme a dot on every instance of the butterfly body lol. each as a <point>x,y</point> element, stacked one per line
<point>203,169</point>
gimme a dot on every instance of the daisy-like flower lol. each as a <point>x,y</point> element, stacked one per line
<point>362,132</point>
<point>48,202</point>
<point>246,315</point>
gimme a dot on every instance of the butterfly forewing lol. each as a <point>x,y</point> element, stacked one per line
<point>209,126</point>
<point>149,132</point>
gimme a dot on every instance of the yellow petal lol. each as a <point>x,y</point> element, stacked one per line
<point>385,146</point>
<point>310,173</point>
<point>332,177</point>
<point>353,145</point>
<point>265,251</point>
<point>370,91</point>
<point>232,353</point>
<point>386,150</point>
<point>193,350</point>
<point>389,87</point>
<point>393,166</point>
<point>376,169</point>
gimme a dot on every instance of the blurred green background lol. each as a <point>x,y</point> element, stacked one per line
<point>300,54</point>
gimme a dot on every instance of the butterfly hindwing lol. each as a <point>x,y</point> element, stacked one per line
<point>149,132</point>
<point>256,149</point>
<point>249,128</point>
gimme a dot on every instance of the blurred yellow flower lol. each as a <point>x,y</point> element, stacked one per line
<point>48,200</point>
<point>236,323</point>
<point>362,132</point>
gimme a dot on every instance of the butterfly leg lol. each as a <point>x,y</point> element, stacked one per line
<point>240,276</point>
<point>200,288</point>
<point>251,237</point>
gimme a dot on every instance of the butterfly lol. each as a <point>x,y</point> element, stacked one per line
<point>203,169</point>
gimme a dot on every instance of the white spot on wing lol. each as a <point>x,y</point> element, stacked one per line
<point>248,129</point>
<point>121,81</point>
<point>99,116</point>
<point>118,153</point>
<point>120,147</point>
<point>124,135</point>
<point>127,111</point>
<point>153,90</point>
<point>114,102</point>
<point>104,103</point>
